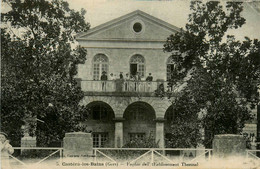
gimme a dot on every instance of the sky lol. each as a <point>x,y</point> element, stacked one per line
<point>174,12</point>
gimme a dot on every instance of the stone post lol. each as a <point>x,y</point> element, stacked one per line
<point>159,131</point>
<point>229,145</point>
<point>78,144</point>
<point>118,132</point>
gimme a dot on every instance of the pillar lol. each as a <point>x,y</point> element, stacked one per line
<point>77,144</point>
<point>160,131</point>
<point>118,132</point>
<point>229,145</point>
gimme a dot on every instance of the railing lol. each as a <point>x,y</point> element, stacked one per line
<point>35,157</point>
<point>152,156</point>
<point>252,154</point>
<point>122,86</point>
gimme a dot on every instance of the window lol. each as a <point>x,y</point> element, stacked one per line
<point>136,136</point>
<point>171,65</point>
<point>137,64</point>
<point>99,112</point>
<point>170,68</point>
<point>100,139</point>
<point>100,64</point>
<point>137,115</point>
<point>137,27</point>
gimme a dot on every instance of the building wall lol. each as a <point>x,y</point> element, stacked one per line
<point>119,61</point>
<point>119,104</point>
<point>156,108</point>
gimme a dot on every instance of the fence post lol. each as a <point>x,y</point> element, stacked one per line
<point>61,156</point>
<point>152,156</point>
<point>95,155</point>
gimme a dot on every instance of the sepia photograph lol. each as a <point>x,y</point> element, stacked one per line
<point>130,84</point>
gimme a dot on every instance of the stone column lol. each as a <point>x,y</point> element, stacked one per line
<point>159,131</point>
<point>118,132</point>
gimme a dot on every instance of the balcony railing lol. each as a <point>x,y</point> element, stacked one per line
<point>122,86</point>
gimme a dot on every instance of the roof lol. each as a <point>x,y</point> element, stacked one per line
<point>125,17</point>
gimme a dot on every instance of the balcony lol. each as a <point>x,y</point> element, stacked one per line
<point>121,87</point>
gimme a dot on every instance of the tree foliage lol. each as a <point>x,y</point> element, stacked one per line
<point>39,63</point>
<point>185,126</point>
<point>221,73</point>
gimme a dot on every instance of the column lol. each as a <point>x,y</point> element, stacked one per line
<point>160,131</point>
<point>118,132</point>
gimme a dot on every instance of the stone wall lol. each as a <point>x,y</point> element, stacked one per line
<point>119,104</point>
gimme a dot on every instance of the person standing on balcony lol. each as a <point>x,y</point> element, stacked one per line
<point>104,79</point>
<point>149,80</point>
<point>121,75</point>
<point>112,82</point>
<point>121,81</point>
<point>111,76</point>
<point>127,78</point>
<point>137,81</point>
<point>6,151</point>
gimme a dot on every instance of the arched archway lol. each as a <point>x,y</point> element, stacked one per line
<point>139,121</point>
<point>99,121</point>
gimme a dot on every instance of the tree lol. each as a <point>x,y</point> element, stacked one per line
<point>39,64</point>
<point>185,127</point>
<point>220,74</point>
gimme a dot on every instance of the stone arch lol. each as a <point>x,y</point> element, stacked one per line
<point>107,100</point>
<point>161,106</point>
<point>138,121</point>
<point>132,100</point>
<point>94,103</point>
<point>100,121</point>
<point>147,105</point>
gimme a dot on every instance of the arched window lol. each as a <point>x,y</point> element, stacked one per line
<point>100,64</point>
<point>170,67</point>
<point>137,64</point>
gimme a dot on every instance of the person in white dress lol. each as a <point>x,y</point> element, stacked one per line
<point>6,151</point>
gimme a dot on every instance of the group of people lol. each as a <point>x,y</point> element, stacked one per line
<point>123,82</point>
<point>136,77</point>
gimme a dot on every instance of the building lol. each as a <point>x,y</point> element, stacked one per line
<point>122,110</point>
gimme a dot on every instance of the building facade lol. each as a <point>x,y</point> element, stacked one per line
<point>120,110</point>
